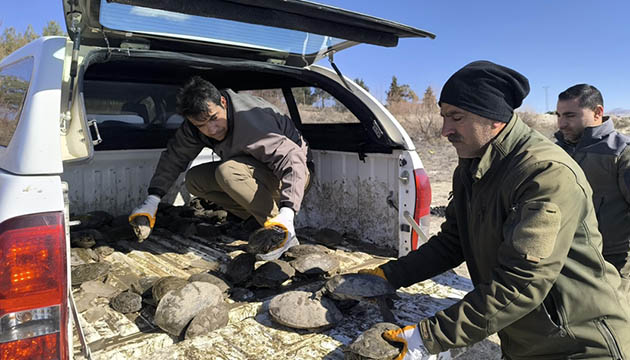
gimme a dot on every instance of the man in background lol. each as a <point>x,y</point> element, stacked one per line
<point>604,155</point>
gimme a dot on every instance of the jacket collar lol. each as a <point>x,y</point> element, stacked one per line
<point>499,147</point>
<point>591,135</point>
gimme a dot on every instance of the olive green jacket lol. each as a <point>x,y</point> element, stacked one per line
<point>604,155</point>
<point>521,217</point>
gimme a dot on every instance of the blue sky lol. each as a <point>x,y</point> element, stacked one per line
<point>555,43</point>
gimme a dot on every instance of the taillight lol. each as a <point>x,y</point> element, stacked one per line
<point>423,205</point>
<point>33,288</point>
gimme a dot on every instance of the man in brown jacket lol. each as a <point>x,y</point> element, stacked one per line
<point>263,172</point>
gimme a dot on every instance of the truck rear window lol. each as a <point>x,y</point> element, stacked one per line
<point>14,81</point>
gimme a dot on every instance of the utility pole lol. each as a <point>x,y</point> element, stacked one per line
<point>546,99</point>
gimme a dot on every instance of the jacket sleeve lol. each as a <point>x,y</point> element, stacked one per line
<point>285,158</point>
<point>623,171</point>
<point>537,236</point>
<point>442,252</point>
<point>180,151</point>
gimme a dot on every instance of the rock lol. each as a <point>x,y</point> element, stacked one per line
<point>87,272</point>
<point>205,264</point>
<point>328,237</point>
<point>266,239</point>
<point>166,284</point>
<point>127,302</point>
<point>92,220</point>
<point>296,251</point>
<point>316,264</point>
<point>371,346</point>
<point>85,238</point>
<point>141,227</point>
<point>240,268</point>
<point>178,307</point>
<point>241,294</point>
<point>209,319</point>
<point>304,310</point>
<point>212,279</point>
<point>272,274</point>
<point>99,288</point>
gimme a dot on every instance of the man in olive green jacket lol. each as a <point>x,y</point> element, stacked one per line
<point>604,155</point>
<point>521,217</point>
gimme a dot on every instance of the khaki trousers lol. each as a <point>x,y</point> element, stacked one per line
<point>242,185</point>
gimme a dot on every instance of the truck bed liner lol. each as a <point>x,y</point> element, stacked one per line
<point>250,333</point>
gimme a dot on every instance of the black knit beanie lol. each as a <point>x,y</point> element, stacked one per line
<point>486,89</point>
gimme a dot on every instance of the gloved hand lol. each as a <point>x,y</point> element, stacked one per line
<point>413,348</point>
<point>284,219</point>
<point>376,271</point>
<point>148,208</point>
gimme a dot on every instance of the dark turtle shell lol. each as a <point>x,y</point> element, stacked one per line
<point>240,268</point>
<point>371,346</point>
<point>266,239</point>
<point>272,274</point>
<point>297,251</point>
<point>358,287</point>
<point>304,310</point>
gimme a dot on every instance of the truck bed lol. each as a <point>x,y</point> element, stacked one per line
<point>250,333</point>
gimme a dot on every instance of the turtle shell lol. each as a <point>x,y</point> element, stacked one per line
<point>166,284</point>
<point>240,268</point>
<point>266,239</point>
<point>358,287</point>
<point>303,310</point>
<point>316,263</point>
<point>296,251</point>
<point>328,237</point>
<point>371,346</point>
<point>272,274</point>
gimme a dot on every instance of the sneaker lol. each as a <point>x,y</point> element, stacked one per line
<point>275,254</point>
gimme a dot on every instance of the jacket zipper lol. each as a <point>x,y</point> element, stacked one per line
<point>610,339</point>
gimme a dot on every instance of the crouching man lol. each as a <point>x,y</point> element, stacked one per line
<point>263,172</point>
<point>522,218</point>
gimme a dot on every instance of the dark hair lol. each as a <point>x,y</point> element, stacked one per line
<point>588,96</point>
<point>192,98</point>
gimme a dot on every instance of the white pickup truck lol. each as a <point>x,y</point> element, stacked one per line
<point>84,119</point>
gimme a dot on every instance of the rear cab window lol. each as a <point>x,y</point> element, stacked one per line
<point>14,82</point>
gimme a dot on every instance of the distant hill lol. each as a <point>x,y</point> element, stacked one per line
<point>619,112</point>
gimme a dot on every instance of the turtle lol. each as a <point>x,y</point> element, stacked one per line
<point>316,264</point>
<point>127,302</point>
<point>266,239</point>
<point>210,278</point>
<point>371,346</point>
<point>304,310</point>
<point>240,268</point>
<point>328,237</point>
<point>272,274</point>
<point>296,251</point>
<point>85,238</point>
<point>166,284</point>
<point>362,287</point>
<point>92,271</point>
<point>141,227</point>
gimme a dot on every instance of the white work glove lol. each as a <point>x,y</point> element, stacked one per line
<point>413,348</point>
<point>284,219</point>
<point>148,208</point>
